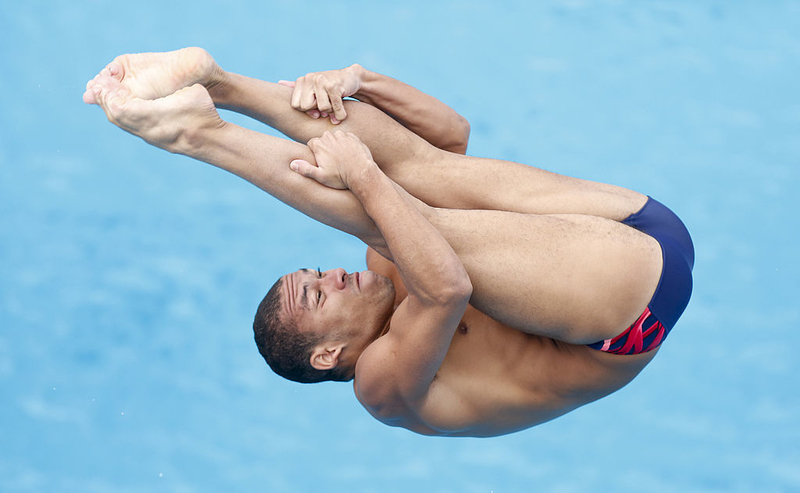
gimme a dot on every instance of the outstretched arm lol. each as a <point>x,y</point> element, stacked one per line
<point>321,94</point>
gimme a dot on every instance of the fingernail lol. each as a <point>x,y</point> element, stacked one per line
<point>293,165</point>
<point>334,120</point>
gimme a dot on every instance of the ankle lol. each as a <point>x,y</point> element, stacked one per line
<point>220,87</point>
<point>194,141</point>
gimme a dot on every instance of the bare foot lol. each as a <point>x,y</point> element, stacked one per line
<point>171,122</point>
<point>155,75</point>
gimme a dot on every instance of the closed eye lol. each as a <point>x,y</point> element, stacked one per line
<point>319,291</point>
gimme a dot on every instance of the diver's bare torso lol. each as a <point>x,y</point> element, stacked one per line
<point>497,380</point>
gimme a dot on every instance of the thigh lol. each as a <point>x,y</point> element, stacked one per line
<point>453,181</point>
<point>576,278</point>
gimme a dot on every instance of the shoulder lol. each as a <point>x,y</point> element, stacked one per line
<point>376,380</point>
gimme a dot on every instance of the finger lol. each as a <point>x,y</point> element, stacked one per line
<point>321,176</point>
<point>313,114</point>
<point>337,104</point>
<point>307,99</point>
<point>296,94</point>
<point>323,101</point>
<point>286,83</point>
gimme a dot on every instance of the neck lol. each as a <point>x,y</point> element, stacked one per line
<point>383,330</point>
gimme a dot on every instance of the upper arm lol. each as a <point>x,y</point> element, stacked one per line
<point>395,373</point>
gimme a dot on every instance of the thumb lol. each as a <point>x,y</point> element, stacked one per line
<point>304,168</point>
<point>287,83</point>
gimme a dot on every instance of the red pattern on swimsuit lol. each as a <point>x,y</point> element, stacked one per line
<point>632,340</point>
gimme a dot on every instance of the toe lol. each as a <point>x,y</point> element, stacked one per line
<point>96,93</point>
<point>115,70</point>
<point>88,97</point>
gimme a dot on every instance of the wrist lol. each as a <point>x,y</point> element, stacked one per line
<point>360,179</point>
<point>366,81</point>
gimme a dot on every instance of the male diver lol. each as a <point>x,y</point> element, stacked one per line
<point>498,296</point>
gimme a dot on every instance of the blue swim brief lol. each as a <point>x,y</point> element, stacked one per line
<point>674,287</point>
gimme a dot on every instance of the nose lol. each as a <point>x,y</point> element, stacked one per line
<point>337,277</point>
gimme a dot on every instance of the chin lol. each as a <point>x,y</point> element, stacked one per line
<point>382,294</point>
<point>386,285</point>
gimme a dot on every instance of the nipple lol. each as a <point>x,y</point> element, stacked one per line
<point>462,328</point>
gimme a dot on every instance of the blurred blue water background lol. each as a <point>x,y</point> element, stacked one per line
<point>129,276</point>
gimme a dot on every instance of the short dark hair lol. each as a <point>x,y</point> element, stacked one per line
<point>285,349</point>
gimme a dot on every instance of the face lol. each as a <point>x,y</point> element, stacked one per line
<point>355,305</point>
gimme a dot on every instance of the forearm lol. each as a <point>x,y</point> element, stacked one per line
<point>426,262</point>
<point>421,113</point>
<point>390,143</point>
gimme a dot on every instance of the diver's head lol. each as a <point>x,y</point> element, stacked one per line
<point>312,326</point>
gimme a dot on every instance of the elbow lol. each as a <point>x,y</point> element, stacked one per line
<point>451,291</point>
<point>458,290</point>
<point>464,286</point>
<point>459,137</point>
<point>465,130</point>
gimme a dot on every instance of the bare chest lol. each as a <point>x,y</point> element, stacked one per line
<point>485,354</point>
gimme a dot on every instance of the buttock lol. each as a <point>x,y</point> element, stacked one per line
<point>674,286</point>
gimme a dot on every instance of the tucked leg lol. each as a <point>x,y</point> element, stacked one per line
<point>437,177</point>
<point>575,278</point>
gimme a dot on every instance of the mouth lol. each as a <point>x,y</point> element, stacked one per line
<point>357,278</point>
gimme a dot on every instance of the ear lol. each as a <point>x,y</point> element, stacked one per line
<point>326,357</point>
